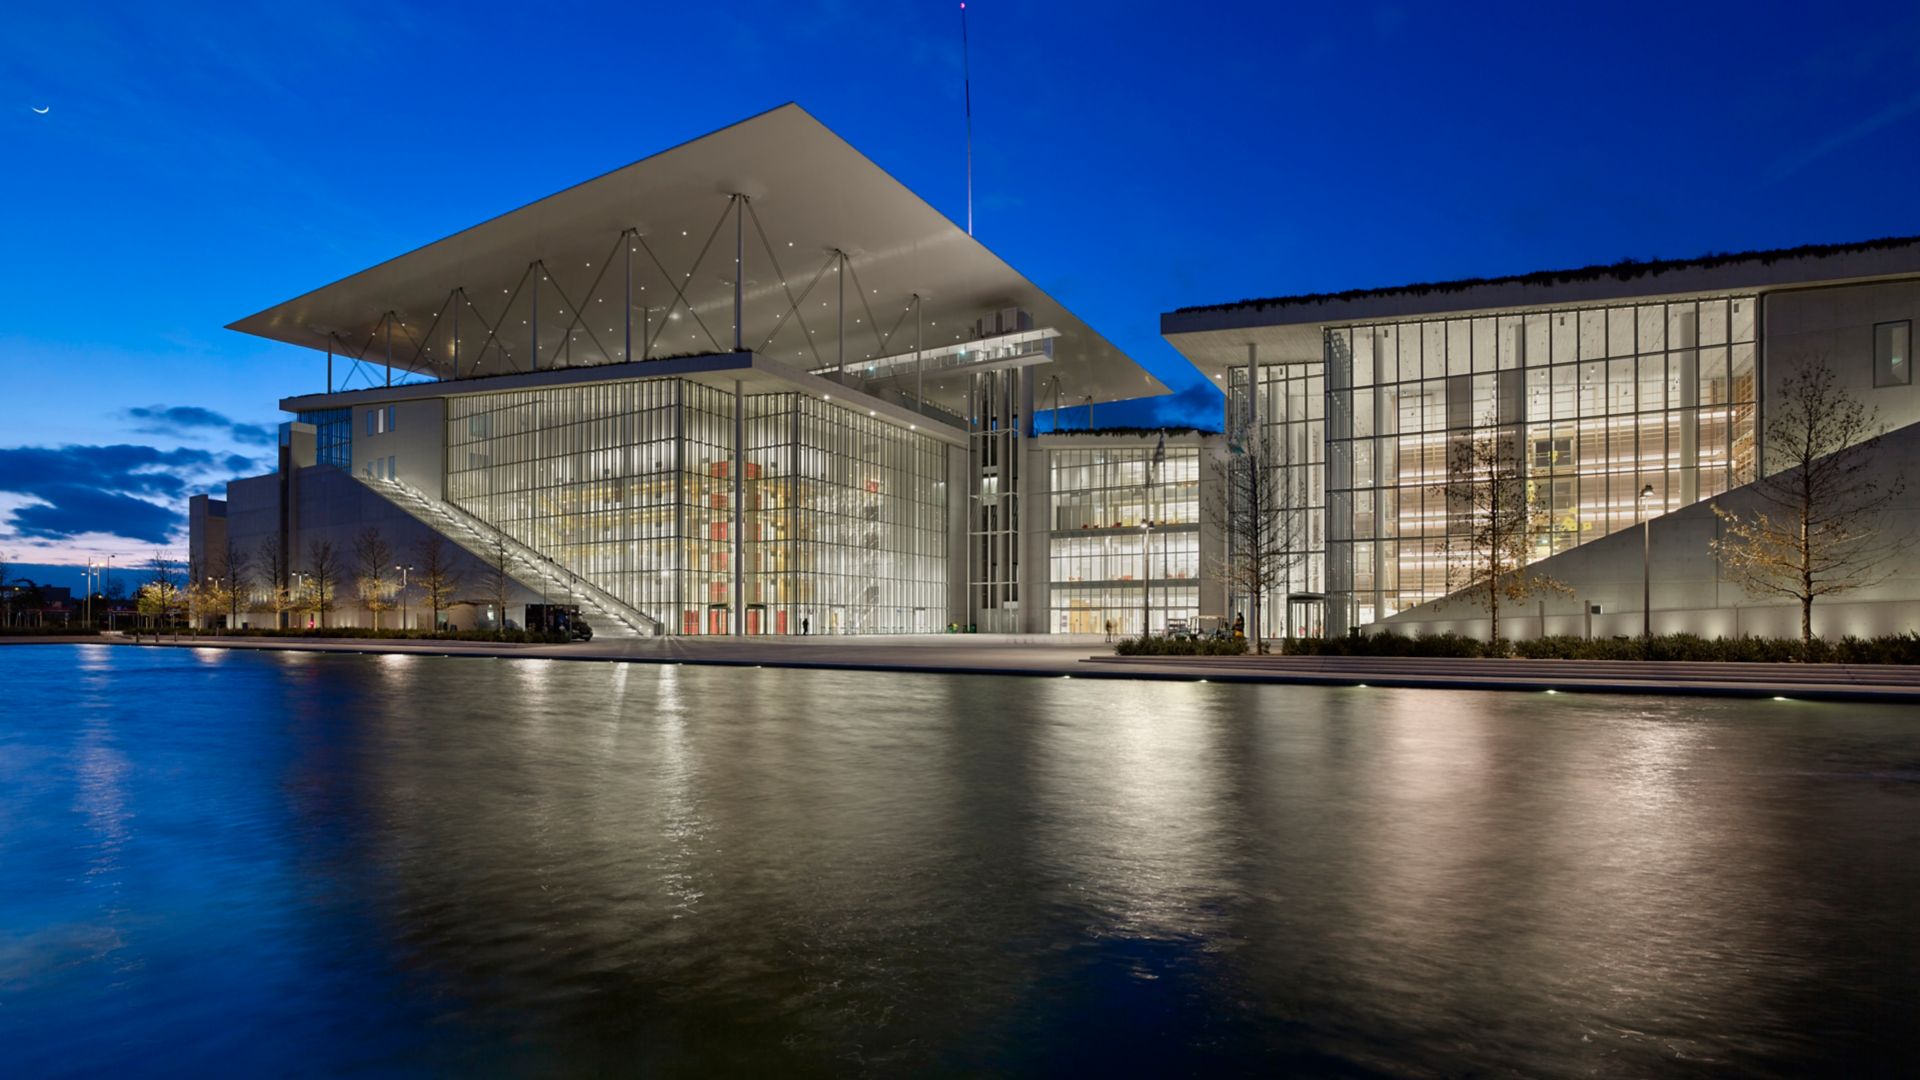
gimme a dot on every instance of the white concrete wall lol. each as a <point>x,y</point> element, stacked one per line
<point>416,442</point>
<point>341,508</point>
<point>1836,325</point>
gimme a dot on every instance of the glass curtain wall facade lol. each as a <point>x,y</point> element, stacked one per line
<point>847,526</point>
<point>1102,569</point>
<point>1604,402</point>
<point>1291,413</point>
<point>631,486</point>
<point>627,484</point>
<point>332,436</point>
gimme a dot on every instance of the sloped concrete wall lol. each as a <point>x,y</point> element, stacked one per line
<point>1691,593</point>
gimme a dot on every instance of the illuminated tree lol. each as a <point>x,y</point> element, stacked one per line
<point>373,573</point>
<point>1260,511</point>
<point>1494,521</point>
<point>323,579</point>
<point>496,584</point>
<point>273,596</point>
<point>439,578</point>
<point>1818,529</point>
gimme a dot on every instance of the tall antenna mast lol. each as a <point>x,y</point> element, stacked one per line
<point>966,70</point>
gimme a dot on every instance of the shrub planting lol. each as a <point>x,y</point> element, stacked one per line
<point>1160,646</point>
<point>1888,649</point>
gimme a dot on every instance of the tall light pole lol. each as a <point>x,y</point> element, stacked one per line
<point>1646,564</point>
<point>403,594</point>
<point>1146,575</point>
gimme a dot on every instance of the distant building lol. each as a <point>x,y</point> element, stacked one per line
<point>1636,392</point>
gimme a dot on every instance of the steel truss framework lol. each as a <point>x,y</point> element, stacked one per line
<point>466,338</point>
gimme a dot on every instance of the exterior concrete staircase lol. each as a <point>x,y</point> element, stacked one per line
<point>609,616</point>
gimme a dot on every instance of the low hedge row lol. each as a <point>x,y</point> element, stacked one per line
<point>1888,649</point>
<point>1160,646</point>
<point>54,630</point>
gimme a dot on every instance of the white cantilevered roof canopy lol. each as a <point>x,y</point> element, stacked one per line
<point>665,232</point>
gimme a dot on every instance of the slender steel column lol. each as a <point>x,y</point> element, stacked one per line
<point>389,348</point>
<point>329,363</point>
<point>681,559</point>
<point>919,357</point>
<point>460,300</point>
<point>739,266</point>
<point>840,271</point>
<point>539,271</point>
<point>628,244</point>
<point>1255,461</point>
<point>739,510</point>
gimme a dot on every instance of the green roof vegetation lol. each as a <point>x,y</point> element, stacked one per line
<point>1624,270</point>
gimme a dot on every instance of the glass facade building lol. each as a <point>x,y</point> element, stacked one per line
<point>631,485</point>
<point>332,436</point>
<point>1105,567</point>
<point>1284,427</point>
<point>1603,403</point>
<point>846,523</point>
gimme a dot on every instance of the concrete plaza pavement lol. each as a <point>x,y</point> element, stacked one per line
<point>1090,657</point>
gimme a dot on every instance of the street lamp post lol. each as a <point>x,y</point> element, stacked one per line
<point>1146,576</point>
<point>1646,565</point>
<point>403,594</point>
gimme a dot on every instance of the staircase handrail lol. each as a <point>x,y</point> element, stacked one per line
<point>538,561</point>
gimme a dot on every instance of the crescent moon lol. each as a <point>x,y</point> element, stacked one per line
<point>42,111</point>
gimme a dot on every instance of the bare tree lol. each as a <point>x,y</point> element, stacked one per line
<point>275,597</point>
<point>1494,520</point>
<point>1818,529</point>
<point>323,578</point>
<point>6,594</point>
<point>234,566</point>
<point>496,584</point>
<point>439,576</point>
<point>1260,511</point>
<point>373,573</point>
<point>161,598</point>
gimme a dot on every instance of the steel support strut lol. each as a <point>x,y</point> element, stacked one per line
<point>739,266</point>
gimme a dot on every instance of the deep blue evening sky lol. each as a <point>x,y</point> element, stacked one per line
<point>200,162</point>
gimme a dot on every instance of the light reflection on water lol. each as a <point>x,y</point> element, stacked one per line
<point>282,862</point>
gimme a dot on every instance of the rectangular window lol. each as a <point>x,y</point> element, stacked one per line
<point>1893,353</point>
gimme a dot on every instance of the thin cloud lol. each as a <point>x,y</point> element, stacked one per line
<point>1793,163</point>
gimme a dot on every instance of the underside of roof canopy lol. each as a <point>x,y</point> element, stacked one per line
<point>640,263</point>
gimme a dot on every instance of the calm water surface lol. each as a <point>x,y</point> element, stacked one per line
<point>244,863</point>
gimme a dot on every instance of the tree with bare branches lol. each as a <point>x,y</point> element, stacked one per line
<point>235,564</point>
<point>439,575</point>
<point>323,578</point>
<point>1819,528</point>
<point>1494,522</point>
<point>373,573</point>
<point>1259,508</point>
<point>274,596</point>
<point>496,584</point>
